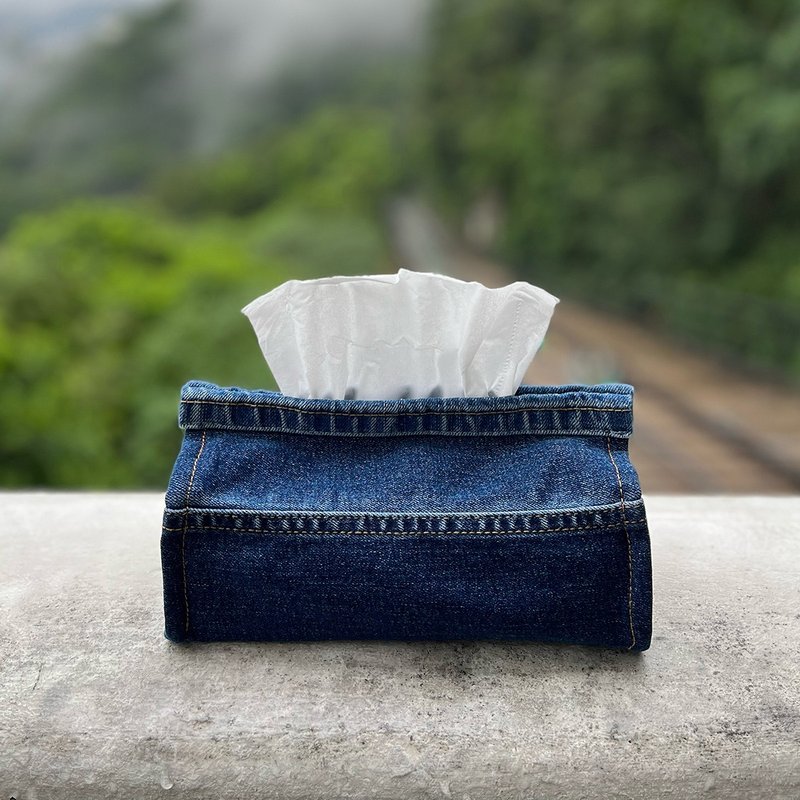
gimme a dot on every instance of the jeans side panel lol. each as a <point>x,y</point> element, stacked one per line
<point>555,587</point>
<point>414,474</point>
<point>180,495</point>
<point>184,470</point>
<point>174,598</point>
<point>624,474</point>
<point>641,585</point>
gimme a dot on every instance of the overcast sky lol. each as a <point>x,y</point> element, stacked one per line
<point>51,24</point>
<point>226,45</point>
<point>39,8</point>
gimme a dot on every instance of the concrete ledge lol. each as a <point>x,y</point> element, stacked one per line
<point>94,703</point>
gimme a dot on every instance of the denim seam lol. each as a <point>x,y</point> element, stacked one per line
<point>628,539</point>
<point>403,533</point>
<point>257,428</point>
<point>401,413</point>
<point>246,512</point>
<point>183,535</point>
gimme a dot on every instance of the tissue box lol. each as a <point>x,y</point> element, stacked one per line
<point>515,517</point>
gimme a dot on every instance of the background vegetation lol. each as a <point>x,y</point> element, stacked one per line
<point>643,157</point>
<point>646,156</point>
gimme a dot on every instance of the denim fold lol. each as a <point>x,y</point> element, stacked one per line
<point>516,517</point>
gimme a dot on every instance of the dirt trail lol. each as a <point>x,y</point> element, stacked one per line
<point>700,427</point>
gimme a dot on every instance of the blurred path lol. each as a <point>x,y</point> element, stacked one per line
<point>699,426</point>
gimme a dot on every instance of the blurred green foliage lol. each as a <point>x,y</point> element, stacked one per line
<point>341,160</point>
<point>106,311</point>
<point>644,157</point>
<point>107,308</point>
<point>314,244</point>
<point>129,109</point>
<point>634,149</point>
<point>116,115</point>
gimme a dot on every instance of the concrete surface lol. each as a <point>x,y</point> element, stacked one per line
<point>94,703</point>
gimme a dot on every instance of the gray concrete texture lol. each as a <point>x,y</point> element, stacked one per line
<point>95,703</point>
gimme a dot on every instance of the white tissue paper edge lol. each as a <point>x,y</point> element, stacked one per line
<point>411,334</point>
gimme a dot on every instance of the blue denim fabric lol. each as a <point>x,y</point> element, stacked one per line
<point>511,517</point>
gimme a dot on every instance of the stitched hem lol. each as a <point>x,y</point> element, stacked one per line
<point>628,539</point>
<point>551,411</point>
<point>551,513</point>
<point>344,522</point>
<point>183,535</point>
<point>297,532</point>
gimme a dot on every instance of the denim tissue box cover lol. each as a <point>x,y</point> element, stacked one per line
<point>515,517</point>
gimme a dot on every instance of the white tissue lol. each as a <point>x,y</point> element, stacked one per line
<point>413,334</point>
